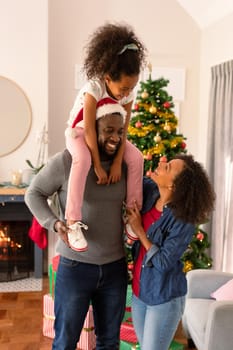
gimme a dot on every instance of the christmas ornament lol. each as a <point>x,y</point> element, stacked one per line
<point>148,173</point>
<point>157,138</point>
<point>200,236</point>
<point>144,94</point>
<point>167,127</point>
<point>138,124</point>
<point>136,107</point>
<point>130,266</point>
<point>188,265</point>
<point>183,145</point>
<point>153,110</point>
<point>166,104</point>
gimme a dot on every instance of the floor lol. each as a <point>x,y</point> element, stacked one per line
<point>21,321</point>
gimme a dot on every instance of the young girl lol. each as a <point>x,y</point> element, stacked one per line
<point>112,65</point>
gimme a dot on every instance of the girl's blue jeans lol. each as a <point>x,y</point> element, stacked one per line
<point>155,325</point>
<point>79,284</point>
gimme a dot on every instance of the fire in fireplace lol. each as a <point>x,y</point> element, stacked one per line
<point>16,250</point>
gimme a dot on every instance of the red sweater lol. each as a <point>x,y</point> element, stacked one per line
<point>147,219</point>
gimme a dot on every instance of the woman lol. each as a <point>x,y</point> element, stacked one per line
<point>177,196</point>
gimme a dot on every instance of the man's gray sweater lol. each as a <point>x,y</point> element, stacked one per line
<point>101,211</point>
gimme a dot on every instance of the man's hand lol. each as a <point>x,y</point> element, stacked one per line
<point>61,228</point>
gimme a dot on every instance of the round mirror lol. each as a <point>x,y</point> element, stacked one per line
<point>15,116</point>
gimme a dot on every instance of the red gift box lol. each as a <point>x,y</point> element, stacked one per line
<point>55,262</point>
<point>127,332</point>
<point>87,339</point>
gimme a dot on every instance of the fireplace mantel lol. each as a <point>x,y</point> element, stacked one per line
<point>4,191</point>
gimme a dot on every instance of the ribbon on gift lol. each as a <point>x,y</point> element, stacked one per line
<point>88,329</point>
<point>49,317</point>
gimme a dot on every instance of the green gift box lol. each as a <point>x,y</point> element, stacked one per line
<point>52,280</point>
<point>176,346</point>
<point>124,345</point>
<point>131,346</point>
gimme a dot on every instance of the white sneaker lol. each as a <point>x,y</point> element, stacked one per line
<point>76,238</point>
<point>130,234</point>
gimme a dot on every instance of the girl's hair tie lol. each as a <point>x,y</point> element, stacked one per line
<point>129,47</point>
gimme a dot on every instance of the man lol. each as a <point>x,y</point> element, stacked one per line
<point>98,275</point>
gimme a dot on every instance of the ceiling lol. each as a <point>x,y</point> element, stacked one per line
<point>207,12</point>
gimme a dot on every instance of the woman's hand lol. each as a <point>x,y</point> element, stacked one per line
<point>61,228</point>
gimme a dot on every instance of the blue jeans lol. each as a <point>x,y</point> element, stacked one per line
<point>78,284</point>
<point>155,325</point>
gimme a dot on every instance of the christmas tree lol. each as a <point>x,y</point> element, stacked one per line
<point>153,126</point>
<point>195,256</point>
<point>153,130</point>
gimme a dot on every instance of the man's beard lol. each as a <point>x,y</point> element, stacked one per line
<point>105,155</point>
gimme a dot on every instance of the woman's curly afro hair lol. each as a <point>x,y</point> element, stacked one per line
<point>193,197</point>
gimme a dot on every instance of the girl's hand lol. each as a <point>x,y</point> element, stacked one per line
<point>102,176</point>
<point>115,173</point>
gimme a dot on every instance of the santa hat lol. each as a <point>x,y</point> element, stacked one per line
<point>103,107</point>
<point>109,106</point>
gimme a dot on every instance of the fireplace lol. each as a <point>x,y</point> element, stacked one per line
<point>16,250</point>
<point>19,256</point>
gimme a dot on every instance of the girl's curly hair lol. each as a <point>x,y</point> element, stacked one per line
<point>193,198</point>
<point>103,53</point>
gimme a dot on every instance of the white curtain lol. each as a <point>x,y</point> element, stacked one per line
<point>220,165</point>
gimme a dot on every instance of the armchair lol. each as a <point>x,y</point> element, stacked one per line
<point>208,323</point>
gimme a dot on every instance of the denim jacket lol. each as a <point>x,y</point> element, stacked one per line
<point>162,277</point>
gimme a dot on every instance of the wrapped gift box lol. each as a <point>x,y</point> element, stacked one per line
<point>48,316</point>
<point>124,345</point>
<point>55,262</point>
<point>127,332</point>
<point>87,339</point>
<point>53,273</point>
<point>176,346</point>
<point>132,346</point>
<point>52,280</point>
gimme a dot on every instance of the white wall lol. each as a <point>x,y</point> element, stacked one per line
<point>24,59</point>
<point>216,48</point>
<point>30,33</point>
